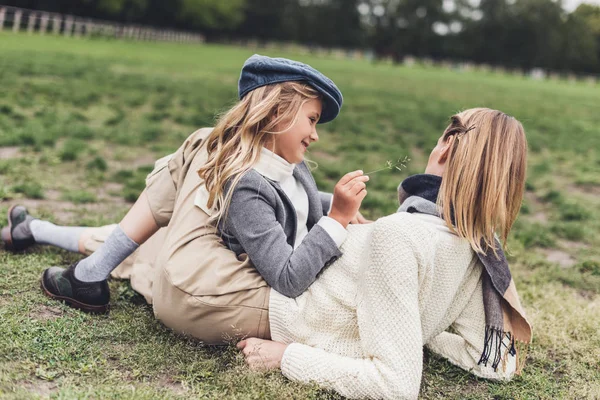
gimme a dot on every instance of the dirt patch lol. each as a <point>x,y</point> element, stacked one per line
<point>45,313</point>
<point>53,194</point>
<point>4,301</point>
<point>9,152</point>
<point>540,217</point>
<point>171,385</point>
<point>143,161</point>
<point>111,192</point>
<point>559,257</point>
<point>568,244</point>
<point>585,189</point>
<point>587,294</point>
<point>532,199</point>
<point>65,212</point>
<point>40,387</point>
<point>61,210</point>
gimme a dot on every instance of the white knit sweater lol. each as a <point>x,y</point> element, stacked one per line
<point>402,282</point>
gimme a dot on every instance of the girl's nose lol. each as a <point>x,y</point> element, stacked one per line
<point>314,136</point>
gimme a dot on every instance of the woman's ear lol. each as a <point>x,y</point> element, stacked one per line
<point>445,151</point>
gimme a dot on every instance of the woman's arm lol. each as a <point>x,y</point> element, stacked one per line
<point>251,220</point>
<point>389,325</point>
<point>463,346</point>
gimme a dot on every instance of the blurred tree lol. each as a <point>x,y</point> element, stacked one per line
<point>486,31</point>
<point>580,45</point>
<point>534,34</point>
<point>127,10</point>
<point>211,14</point>
<point>263,20</point>
<point>590,16</point>
<point>332,23</point>
<point>404,27</point>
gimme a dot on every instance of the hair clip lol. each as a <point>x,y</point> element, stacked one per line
<point>461,134</point>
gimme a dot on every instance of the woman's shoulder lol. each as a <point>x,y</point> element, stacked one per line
<point>413,228</point>
<point>402,222</point>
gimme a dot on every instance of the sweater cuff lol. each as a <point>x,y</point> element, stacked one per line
<point>293,362</point>
<point>335,230</point>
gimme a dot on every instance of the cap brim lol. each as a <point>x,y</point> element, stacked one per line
<point>331,108</point>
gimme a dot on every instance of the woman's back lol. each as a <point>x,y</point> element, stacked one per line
<point>447,269</point>
<point>401,281</point>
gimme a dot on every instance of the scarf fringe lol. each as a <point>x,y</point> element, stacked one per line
<point>494,342</point>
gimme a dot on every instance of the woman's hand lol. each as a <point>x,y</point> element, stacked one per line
<point>359,219</point>
<point>262,354</point>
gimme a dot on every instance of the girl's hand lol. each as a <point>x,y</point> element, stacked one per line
<point>359,219</point>
<point>262,354</point>
<point>348,194</point>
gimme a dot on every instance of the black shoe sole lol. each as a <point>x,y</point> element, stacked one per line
<point>104,309</point>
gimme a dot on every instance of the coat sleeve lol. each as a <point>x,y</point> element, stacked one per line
<point>462,344</point>
<point>251,220</point>
<point>326,199</point>
<point>389,327</point>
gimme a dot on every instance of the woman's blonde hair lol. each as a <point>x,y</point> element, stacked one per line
<point>482,186</point>
<point>234,145</point>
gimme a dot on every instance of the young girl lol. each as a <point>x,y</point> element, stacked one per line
<point>248,175</point>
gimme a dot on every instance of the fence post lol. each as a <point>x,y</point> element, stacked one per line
<point>68,25</point>
<point>2,17</point>
<point>17,21</point>
<point>56,22</point>
<point>44,23</point>
<point>78,26</point>
<point>31,22</point>
<point>89,27</point>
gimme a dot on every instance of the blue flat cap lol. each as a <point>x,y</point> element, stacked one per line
<point>261,70</point>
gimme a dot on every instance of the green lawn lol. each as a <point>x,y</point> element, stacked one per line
<point>82,121</point>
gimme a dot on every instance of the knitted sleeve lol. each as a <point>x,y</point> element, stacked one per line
<point>464,345</point>
<point>389,327</point>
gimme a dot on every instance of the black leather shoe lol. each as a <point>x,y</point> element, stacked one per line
<point>60,284</point>
<point>17,235</point>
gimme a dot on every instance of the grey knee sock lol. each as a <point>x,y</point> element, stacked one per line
<point>98,266</point>
<point>65,237</point>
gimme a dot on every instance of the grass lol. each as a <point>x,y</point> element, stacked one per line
<point>81,123</point>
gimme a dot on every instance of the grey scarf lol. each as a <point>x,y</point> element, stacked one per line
<point>418,194</point>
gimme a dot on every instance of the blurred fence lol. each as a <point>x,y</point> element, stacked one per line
<point>41,22</point>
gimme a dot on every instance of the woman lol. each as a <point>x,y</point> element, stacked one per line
<point>411,279</point>
<point>415,278</point>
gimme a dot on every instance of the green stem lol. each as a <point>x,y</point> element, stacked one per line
<point>377,170</point>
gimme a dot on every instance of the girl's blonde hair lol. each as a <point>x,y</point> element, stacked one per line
<point>235,143</point>
<point>482,186</point>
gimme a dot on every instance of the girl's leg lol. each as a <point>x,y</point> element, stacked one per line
<point>138,224</point>
<point>25,230</point>
<point>84,284</point>
<point>134,229</point>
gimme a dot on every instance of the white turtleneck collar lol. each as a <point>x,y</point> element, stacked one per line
<point>274,167</point>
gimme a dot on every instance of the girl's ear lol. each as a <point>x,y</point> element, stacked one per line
<point>445,151</point>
